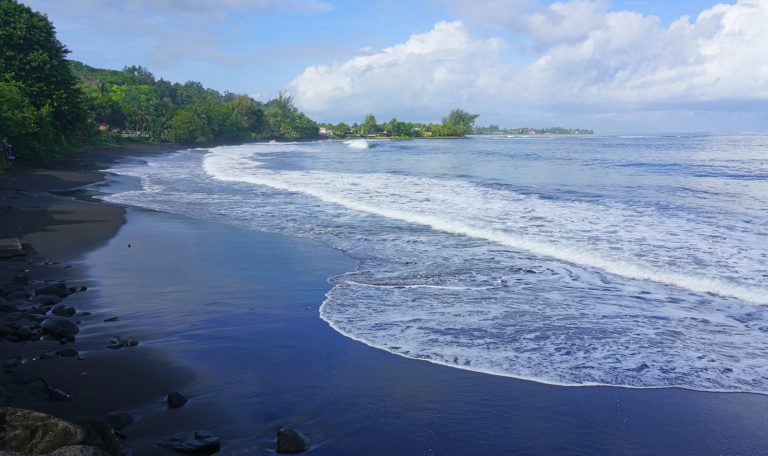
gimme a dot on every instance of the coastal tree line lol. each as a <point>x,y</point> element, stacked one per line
<point>495,130</point>
<point>457,124</point>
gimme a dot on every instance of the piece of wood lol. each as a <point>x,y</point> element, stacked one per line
<point>10,247</point>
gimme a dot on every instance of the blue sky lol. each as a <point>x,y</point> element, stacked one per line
<point>629,65</point>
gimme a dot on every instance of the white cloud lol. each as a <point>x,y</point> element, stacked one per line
<point>586,58</point>
<point>437,69</point>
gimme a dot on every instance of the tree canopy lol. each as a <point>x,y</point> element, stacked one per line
<point>45,112</point>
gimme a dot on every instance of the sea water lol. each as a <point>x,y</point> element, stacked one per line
<point>635,261</point>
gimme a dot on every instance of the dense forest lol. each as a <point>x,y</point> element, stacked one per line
<point>132,102</point>
<point>51,105</point>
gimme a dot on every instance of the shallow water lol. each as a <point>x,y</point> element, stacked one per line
<point>636,261</point>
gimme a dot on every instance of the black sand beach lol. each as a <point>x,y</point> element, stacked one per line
<point>229,317</point>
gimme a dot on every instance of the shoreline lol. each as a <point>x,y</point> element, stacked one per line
<point>229,317</point>
<point>57,233</point>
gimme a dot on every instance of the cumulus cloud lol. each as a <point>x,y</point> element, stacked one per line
<point>432,69</point>
<point>585,55</point>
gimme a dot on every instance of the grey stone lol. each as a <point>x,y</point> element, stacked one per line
<point>59,289</point>
<point>60,328</point>
<point>291,441</point>
<point>27,431</point>
<point>175,400</point>
<point>194,442</point>
<point>122,342</point>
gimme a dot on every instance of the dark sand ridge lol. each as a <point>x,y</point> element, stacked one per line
<point>56,232</point>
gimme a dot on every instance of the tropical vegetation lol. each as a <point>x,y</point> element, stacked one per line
<point>457,124</point>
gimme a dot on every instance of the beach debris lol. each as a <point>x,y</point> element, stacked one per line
<point>175,400</point>
<point>197,442</point>
<point>122,342</point>
<point>63,310</point>
<point>54,394</point>
<point>77,289</point>
<point>111,319</point>
<point>28,431</point>
<point>59,289</point>
<point>118,420</point>
<point>68,352</point>
<point>60,328</point>
<point>291,441</point>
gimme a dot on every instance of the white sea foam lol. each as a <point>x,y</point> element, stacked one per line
<point>357,144</point>
<point>502,216</point>
<point>486,278</point>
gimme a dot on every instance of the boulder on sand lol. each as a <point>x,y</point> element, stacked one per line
<point>60,328</point>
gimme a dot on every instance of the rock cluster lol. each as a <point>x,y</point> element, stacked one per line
<point>27,432</point>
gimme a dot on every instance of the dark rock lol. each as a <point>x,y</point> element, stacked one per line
<point>21,279</point>
<point>48,355</point>
<point>47,300</point>
<point>291,441</point>
<point>118,420</point>
<point>63,310</point>
<point>99,433</point>
<point>77,289</point>
<point>175,400</point>
<point>110,319</point>
<point>60,328</point>
<point>122,342</point>
<point>68,352</point>
<point>195,442</point>
<point>59,289</point>
<point>27,431</point>
<point>18,295</point>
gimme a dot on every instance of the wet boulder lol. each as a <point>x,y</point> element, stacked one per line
<point>60,328</point>
<point>175,400</point>
<point>291,441</point>
<point>59,289</point>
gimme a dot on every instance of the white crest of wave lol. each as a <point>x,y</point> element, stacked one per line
<point>357,144</point>
<point>501,217</point>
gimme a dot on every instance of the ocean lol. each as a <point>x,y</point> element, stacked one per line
<point>634,261</point>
